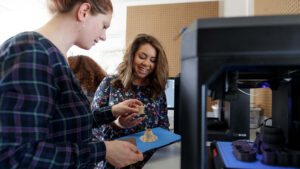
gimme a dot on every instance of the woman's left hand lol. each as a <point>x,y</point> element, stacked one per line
<point>128,121</point>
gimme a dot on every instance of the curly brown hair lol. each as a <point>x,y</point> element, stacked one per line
<point>158,78</point>
<point>87,72</point>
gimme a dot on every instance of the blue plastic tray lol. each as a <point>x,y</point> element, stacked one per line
<point>165,137</point>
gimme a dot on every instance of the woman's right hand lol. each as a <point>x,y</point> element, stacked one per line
<point>121,153</point>
<point>125,107</point>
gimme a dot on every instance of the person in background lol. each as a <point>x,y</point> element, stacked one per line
<point>88,73</point>
<point>142,75</point>
<point>45,119</point>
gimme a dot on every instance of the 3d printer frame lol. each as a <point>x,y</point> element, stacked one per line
<point>219,55</point>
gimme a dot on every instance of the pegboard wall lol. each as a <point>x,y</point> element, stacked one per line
<point>262,98</point>
<point>276,7</point>
<point>165,22</point>
<point>271,7</point>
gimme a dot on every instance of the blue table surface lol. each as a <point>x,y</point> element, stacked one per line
<point>230,161</point>
<point>165,137</point>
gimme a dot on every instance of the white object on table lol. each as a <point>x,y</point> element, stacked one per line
<point>166,157</point>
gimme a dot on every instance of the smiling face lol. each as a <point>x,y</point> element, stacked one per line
<point>93,30</point>
<point>144,62</point>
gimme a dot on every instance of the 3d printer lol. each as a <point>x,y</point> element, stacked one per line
<point>220,56</point>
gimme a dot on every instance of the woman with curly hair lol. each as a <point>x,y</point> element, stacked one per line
<point>88,73</point>
<point>142,75</point>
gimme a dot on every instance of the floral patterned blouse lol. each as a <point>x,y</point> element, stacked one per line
<point>111,92</point>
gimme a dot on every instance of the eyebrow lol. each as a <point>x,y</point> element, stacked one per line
<point>148,55</point>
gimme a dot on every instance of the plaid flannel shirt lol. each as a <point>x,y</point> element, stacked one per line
<point>45,118</point>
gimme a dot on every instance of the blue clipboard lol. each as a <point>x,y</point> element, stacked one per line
<point>165,137</point>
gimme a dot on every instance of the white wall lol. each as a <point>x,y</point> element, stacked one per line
<point>25,15</point>
<point>233,8</point>
<point>20,15</point>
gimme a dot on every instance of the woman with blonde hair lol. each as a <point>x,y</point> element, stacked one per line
<point>45,119</point>
<point>142,75</point>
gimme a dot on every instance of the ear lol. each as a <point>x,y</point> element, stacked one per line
<point>83,11</point>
